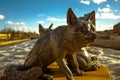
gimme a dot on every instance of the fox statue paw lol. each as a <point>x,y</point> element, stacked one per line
<point>81,73</point>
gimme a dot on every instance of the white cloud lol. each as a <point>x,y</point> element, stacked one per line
<point>9,22</point>
<point>24,28</point>
<point>2,17</point>
<point>107,16</point>
<point>108,5</point>
<point>99,1</point>
<point>20,26</point>
<point>116,10</point>
<point>116,0</point>
<point>103,27</point>
<point>104,9</point>
<point>41,22</point>
<point>76,9</point>
<point>22,23</point>
<point>106,13</point>
<point>55,19</point>
<point>15,23</point>
<point>87,2</point>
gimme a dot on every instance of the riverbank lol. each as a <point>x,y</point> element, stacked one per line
<point>10,42</point>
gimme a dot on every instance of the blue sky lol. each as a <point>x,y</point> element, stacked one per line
<point>27,14</point>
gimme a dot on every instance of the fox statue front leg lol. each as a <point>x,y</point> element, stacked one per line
<point>74,65</point>
<point>66,70</point>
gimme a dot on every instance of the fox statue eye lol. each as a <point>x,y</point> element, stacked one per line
<point>81,29</point>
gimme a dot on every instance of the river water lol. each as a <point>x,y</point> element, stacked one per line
<point>16,54</point>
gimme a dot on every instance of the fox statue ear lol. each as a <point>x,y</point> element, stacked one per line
<point>91,17</point>
<point>50,27</point>
<point>41,28</point>
<point>71,17</point>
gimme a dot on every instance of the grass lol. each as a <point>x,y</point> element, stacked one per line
<point>114,44</point>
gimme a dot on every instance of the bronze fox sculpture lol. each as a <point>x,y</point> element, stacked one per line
<point>60,42</point>
<point>89,63</point>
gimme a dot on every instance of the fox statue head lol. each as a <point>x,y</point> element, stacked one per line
<point>83,27</point>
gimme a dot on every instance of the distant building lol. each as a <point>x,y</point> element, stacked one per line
<point>110,34</point>
<point>116,28</point>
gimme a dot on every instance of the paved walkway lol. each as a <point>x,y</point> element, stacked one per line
<point>16,54</point>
